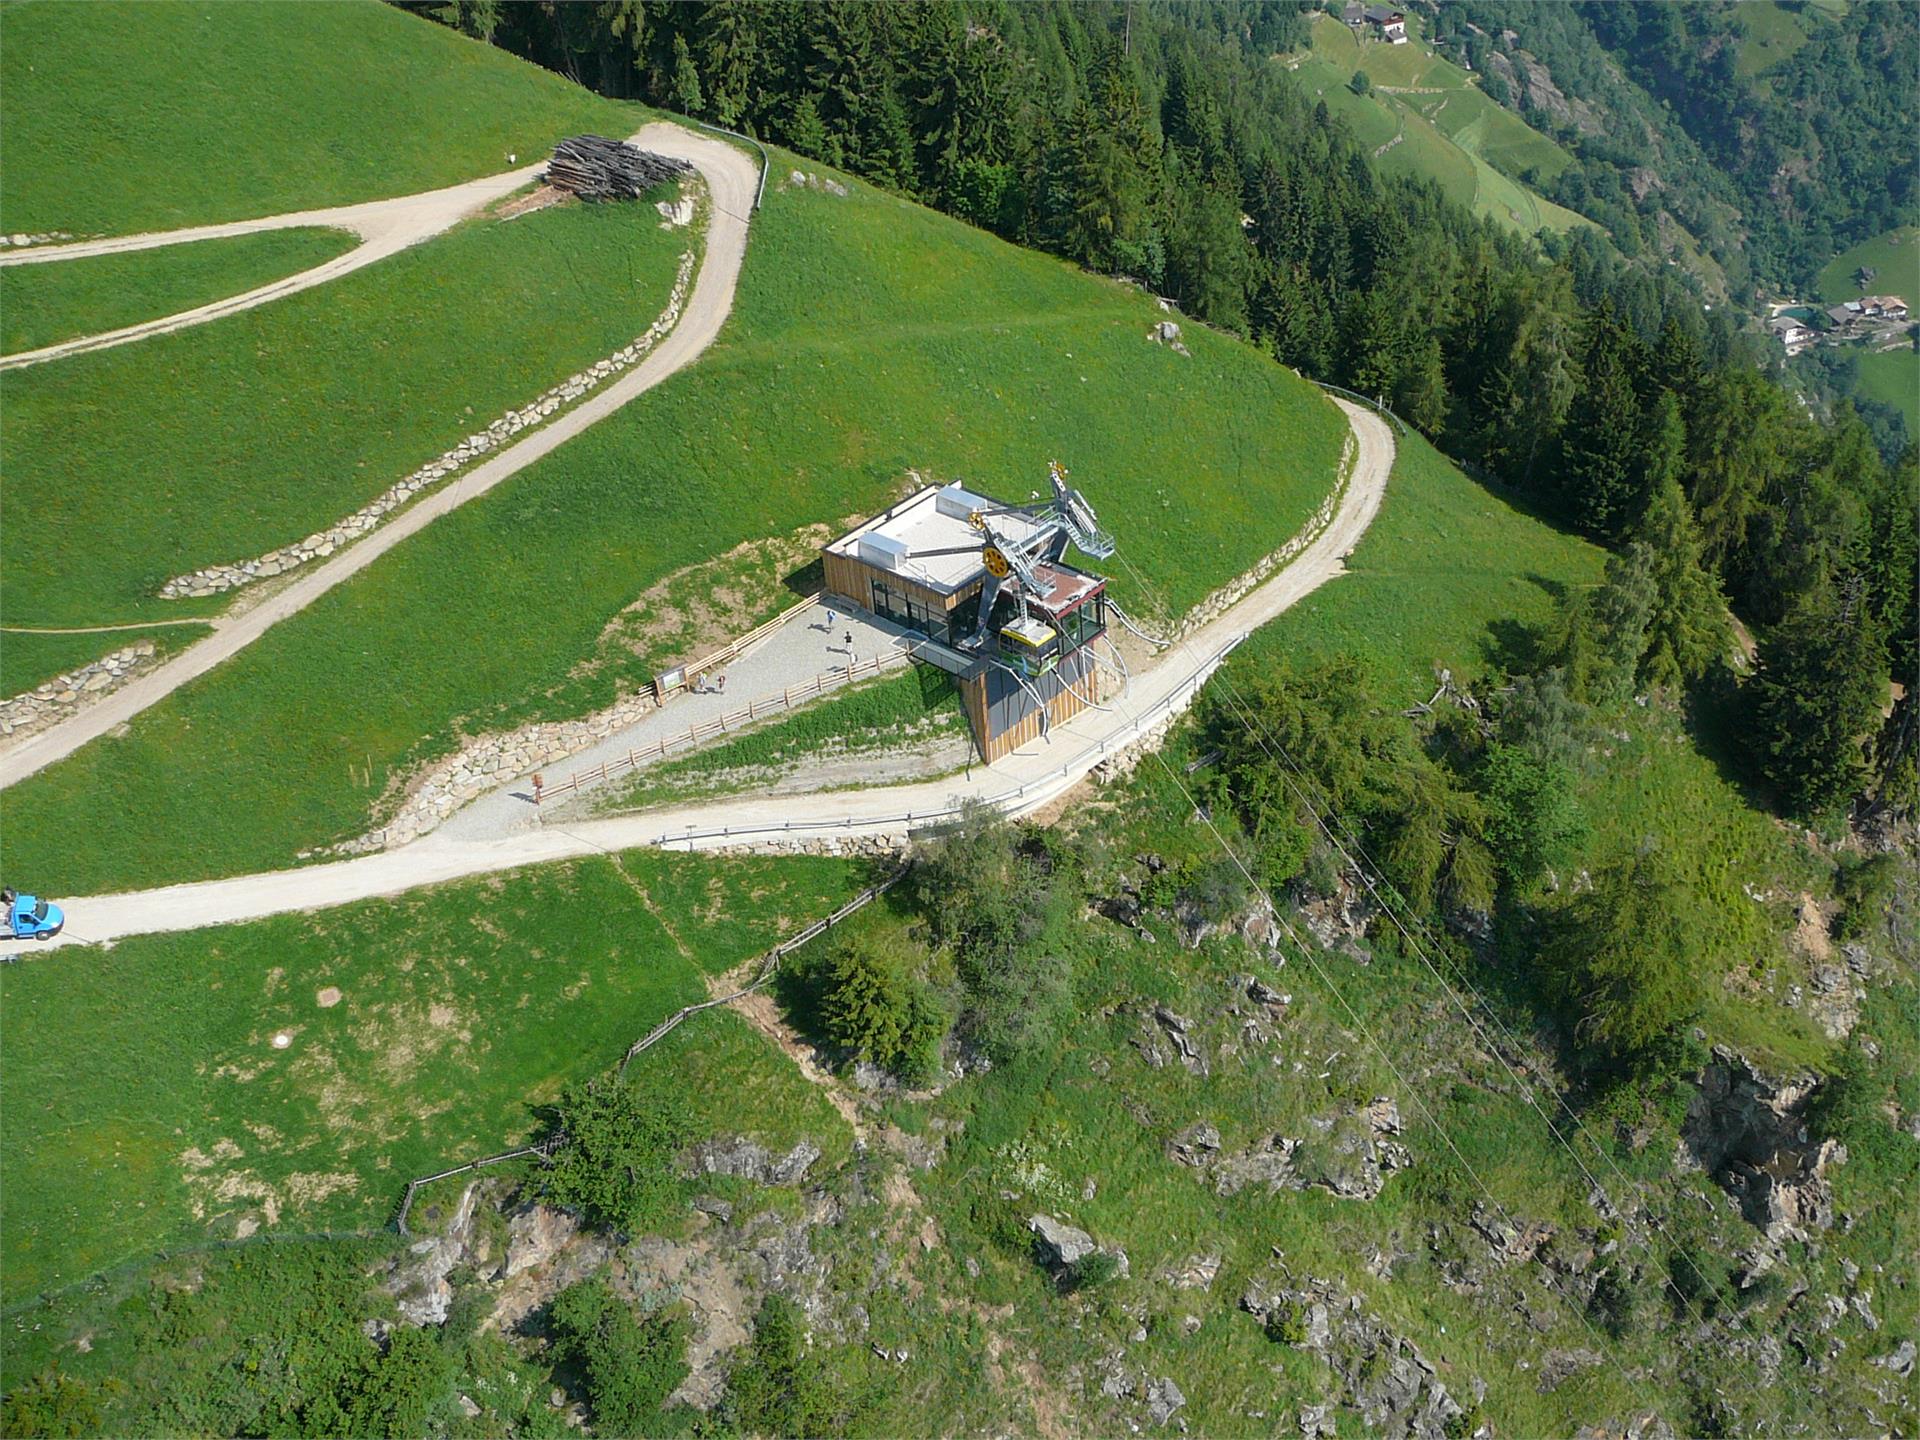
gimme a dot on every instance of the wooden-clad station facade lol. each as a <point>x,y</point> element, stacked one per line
<point>925,564</point>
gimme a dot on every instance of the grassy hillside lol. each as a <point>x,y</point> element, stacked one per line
<point>1895,254</point>
<point>421,1031</point>
<point>45,304</point>
<point>1893,378</point>
<point>124,116</point>
<point>870,336</point>
<point>219,443</point>
<point>1425,118</point>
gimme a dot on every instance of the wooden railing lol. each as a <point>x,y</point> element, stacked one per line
<point>668,681</point>
<point>728,723</point>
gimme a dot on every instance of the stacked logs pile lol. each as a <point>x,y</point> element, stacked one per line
<point>596,168</point>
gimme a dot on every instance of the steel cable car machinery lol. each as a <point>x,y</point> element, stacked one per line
<point>1031,639</point>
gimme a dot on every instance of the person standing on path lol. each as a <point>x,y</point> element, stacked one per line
<point>831,618</point>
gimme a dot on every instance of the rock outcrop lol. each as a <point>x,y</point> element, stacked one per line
<point>1382,1374</point>
<point>1749,1132</point>
<point>1350,1152</point>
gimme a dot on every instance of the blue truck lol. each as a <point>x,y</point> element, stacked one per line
<point>28,917</point>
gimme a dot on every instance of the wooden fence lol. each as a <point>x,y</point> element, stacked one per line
<point>668,681</point>
<point>726,724</point>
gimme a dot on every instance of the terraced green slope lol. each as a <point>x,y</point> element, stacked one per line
<point>46,304</point>
<point>124,116</point>
<point>870,337</point>
<point>1426,119</point>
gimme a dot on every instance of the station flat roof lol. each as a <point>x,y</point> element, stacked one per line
<point>932,519</point>
<point>1067,588</point>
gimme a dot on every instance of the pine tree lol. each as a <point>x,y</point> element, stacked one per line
<point>1816,693</point>
<point>1602,479</point>
<point>1626,959</point>
<point>1687,631</point>
<point>686,95</point>
<point>729,54</point>
<point>1604,633</point>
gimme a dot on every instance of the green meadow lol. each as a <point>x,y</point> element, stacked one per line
<point>60,300</point>
<point>161,88</point>
<point>417,1033</point>
<point>1893,378</point>
<point>870,337</point>
<point>1894,254</point>
<point>219,443</point>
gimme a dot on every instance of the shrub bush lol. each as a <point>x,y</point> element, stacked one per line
<point>873,1008</point>
<point>630,1365</point>
<point>617,1165</point>
<point>1865,890</point>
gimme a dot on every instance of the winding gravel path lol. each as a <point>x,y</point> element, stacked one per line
<point>730,176</point>
<point>1023,782</point>
<point>385,227</point>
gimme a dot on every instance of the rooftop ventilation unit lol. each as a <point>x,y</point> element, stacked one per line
<point>959,503</point>
<point>883,551</point>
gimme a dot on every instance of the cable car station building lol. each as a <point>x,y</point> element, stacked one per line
<point>986,587</point>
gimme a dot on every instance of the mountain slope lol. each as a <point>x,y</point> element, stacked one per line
<point>123,117</point>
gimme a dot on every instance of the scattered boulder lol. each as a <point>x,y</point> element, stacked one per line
<point>1058,1244</point>
<point>1511,1243</point>
<point>1163,1398</point>
<point>1558,1366</point>
<point>1351,1153</point>
<point>738,1156</point>
<point>1060,1248</point>
<point>1178,1029</point>
<point>1381,1374</point>
<point>1196,1145</point>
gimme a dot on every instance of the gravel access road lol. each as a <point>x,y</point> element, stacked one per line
<point>1021,783</point>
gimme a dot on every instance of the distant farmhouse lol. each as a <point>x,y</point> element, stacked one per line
<point>1796,335</point>
<point>1875,318</point>
<point>1386,22</point>
<point>1868,312</point>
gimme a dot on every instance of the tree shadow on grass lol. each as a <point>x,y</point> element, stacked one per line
<point>1712,717</point>
<point>1514,647</point>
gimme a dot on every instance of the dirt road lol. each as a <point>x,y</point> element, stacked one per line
<point>1020,784</point>
<point>731,177</point>
<point>384,227</point>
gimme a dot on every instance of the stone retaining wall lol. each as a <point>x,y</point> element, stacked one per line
<point>21,242</point>
<point>486,764</point>
<point>216,579</point>
<point>60,696</point>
